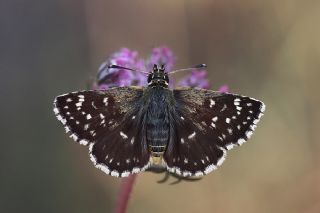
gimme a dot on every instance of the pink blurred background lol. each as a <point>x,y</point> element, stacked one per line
<point>269,50</point>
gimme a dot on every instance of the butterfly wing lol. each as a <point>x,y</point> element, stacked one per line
<point>204,125</point>
<point>107,121</point>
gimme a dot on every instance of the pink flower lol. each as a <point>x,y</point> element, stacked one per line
<point>161,55</point>
<point>197,78</point>
<point>113,77</point>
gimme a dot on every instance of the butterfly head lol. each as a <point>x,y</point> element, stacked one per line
<point>158,77</point>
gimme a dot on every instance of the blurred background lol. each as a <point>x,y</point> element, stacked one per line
<point>269,50</point>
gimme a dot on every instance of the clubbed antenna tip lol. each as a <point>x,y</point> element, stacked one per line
<point>199,66</point>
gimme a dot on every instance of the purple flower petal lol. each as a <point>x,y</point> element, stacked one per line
<point>127,58</point>
<point>224,89</point>
<point>120,77</point>
<point>197,78</point>
<point>161,55</point>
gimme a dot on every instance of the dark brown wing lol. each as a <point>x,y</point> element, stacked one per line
<point>204,125</point>
<point>107,121</point>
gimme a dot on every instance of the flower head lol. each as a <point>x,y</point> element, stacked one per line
<point>161,55</point>
<point>197,78</point>
<point>114,77</point>
<point>224,89</point>
<point>111,77</point>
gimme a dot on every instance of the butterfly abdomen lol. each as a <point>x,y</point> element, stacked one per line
<point>157,121</point>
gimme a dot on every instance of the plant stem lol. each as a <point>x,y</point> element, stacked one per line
<point>124,194</point>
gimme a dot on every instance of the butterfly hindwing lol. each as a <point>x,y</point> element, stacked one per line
<point>107,121</point>
<point>205,125</point>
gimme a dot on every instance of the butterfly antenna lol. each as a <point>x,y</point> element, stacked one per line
<point>199,66</point>
<point>113,66</point>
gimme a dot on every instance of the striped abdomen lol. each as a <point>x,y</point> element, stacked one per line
<point>157,122</point>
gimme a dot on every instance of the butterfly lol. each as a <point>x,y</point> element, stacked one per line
<point>186,131</point>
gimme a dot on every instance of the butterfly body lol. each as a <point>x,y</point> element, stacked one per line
<point>157,119</point>
<point>185,131</point>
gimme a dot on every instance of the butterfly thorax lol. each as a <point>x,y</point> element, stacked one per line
<point>157,120</point>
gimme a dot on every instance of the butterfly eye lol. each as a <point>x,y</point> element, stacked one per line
<point>155,68</point>
<point>166,77</point>
<point>150,78</point>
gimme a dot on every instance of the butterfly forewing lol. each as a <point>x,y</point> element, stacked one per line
<point>206,124</point>
<point>106,120</point>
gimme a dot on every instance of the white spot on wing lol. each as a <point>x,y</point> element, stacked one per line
<point>186,173</point>
<point>212,103</point>
<point>220,161</point>
<point>185,160</point>
<point>84,142</point>
<point>74,137</point>
<point>241,141</point>
<point>236,101</point>
<point>230,146</point>
<point>135,170</point>
<point>198,174</point>
<point>248,134</point>
<point>86,127</point>
<point>93,105</point>
<point>115,173</point>
<point>105,101</point>
<point>227,120</point>
<point>192,135</point>
<point>239,108</point>
<point>263,107</point>
<point>124,136</point>
<point>209,168</point>
<point>125,174</point>
<point>67,129</point>
<point>56,111</point>
<point>88,117</point>
<point>223,108</point>
<point>62,120</point>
